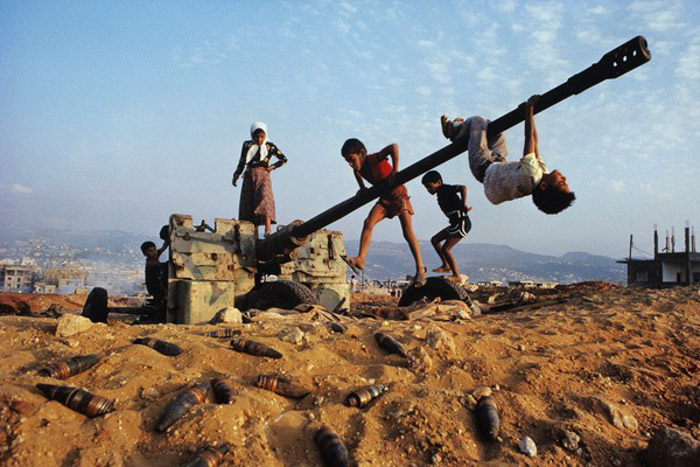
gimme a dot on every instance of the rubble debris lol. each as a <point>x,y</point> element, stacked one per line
<point>166,348</point>
<point>332,449</point>
<point>280,385</point>
<point>181,405</point>
<point>361,397</point>
<point>390,344</point>
<point>70,367</point>
<point>670,447</point>
<point>527,446</point>
<point>209,457</point>
<point>69,325</point>
<point>228,315</point>
<point>487,418</point>
<point>77,399</point>
<point>254,348</point>
<point>223,391</point>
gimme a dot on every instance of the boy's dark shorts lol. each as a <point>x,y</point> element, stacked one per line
<point>460,225</point>
<point>396,201</point>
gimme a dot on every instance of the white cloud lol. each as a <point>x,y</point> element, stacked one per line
<point>14,189</point>
<point>424,90</point>
<point>618,186</point>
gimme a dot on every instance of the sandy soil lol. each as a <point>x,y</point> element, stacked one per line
<point>557,373</point>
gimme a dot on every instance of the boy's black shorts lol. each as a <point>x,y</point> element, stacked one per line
<point>460,225</point>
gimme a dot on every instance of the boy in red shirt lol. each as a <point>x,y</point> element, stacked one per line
<point>374,168</point>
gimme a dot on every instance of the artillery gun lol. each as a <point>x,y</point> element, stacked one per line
<point>211,270</point>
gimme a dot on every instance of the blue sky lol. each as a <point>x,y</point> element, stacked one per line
<point>117,114</point>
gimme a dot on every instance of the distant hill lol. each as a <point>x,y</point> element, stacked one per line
<point>386,260</point>
<point>485,261</point>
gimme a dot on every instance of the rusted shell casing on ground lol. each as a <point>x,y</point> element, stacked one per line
<point>390,344</point>
<point>254,348</point>
<point>332,449</point>
<point>181,405</point>
<point>487,417</point>
<point>280,385</point>
<point>70,367</point>
<point>77,399</point>
<point>223,333</point>
<point>166,348</point>
<point>337,327</point>
<point>223,391</point>
<point>210,457</point>
<point>361,397</point>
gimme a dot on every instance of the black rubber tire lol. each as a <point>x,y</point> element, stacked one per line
<point>279,294</point>
<point>435,287</point>
<point>95,307</point>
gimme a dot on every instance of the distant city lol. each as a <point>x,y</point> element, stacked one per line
<point>65,261</point>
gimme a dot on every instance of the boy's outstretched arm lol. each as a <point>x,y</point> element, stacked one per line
<point>463,193</point>
<point>393,151</point>
<point>360,182</point>
<point>530,129</point>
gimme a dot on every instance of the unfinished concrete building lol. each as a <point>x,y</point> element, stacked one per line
<point>668,267</point>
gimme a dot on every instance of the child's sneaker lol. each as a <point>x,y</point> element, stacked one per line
<point>444,121</point>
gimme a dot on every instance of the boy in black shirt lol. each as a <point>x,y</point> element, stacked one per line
<point>452,199</point>
<point>156,280</point>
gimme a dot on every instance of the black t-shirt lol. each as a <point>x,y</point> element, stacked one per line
<point>157,279</point>
<point>448,198</point>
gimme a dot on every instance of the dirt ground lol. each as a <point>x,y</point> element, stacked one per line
<point>588,378</point>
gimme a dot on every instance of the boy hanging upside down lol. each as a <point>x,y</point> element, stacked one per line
<point>505,181</point>
<point>374,168</point>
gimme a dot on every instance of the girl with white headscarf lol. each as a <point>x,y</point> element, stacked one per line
<point>257,203</point>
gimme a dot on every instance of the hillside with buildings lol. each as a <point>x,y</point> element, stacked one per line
<point>66,261</point>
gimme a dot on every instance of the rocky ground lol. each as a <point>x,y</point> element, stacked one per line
<point>590,375</point>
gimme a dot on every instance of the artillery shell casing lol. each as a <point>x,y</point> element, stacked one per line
<point>390,344</point>
<point>254,348</point>
<point>166,348</point>
<point>223,391</point>
<point>487,417</point>
<point>70,367</point>
<point>337,327</point>
<point>364,395</point>
<point>77,399</point>
<point>332,449</point>
<point>210,457</point>
<point>281,386</point>
<point>223,333</point>
<point>181,405</point>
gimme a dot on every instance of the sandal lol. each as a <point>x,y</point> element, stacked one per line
<point>351,264</point>
<point>420,278</point>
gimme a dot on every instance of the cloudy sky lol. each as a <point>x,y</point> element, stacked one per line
<point>116,114</point>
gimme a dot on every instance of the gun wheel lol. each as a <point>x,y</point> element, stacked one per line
<point>95,307</point>
<point>279,294</point>
<point>435,287</point>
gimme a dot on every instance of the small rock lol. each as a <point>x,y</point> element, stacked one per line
<point>419,362</point>
<point>618,418</point>
<point>669,447</point>
<point>228,315</point>
<point>150,394</point>
<point>481,391</point>
<point>69,325</point>
<point>470,402</point>
<point>528,446</point>
<point>520,347</point>
<point>291,334</point>
<point>439,339</point>
<point>570,440</point>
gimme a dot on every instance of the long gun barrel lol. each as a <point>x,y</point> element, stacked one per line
<point>617,62</point>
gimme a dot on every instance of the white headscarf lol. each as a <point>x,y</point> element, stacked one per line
<point>253,149</point>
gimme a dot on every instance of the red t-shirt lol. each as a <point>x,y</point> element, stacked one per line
<point>374,170</point>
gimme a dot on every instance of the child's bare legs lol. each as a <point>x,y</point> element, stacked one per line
<point>447,255</point>
<point>407,228</point>
<point>375,215</point>
<point>435,241</point>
